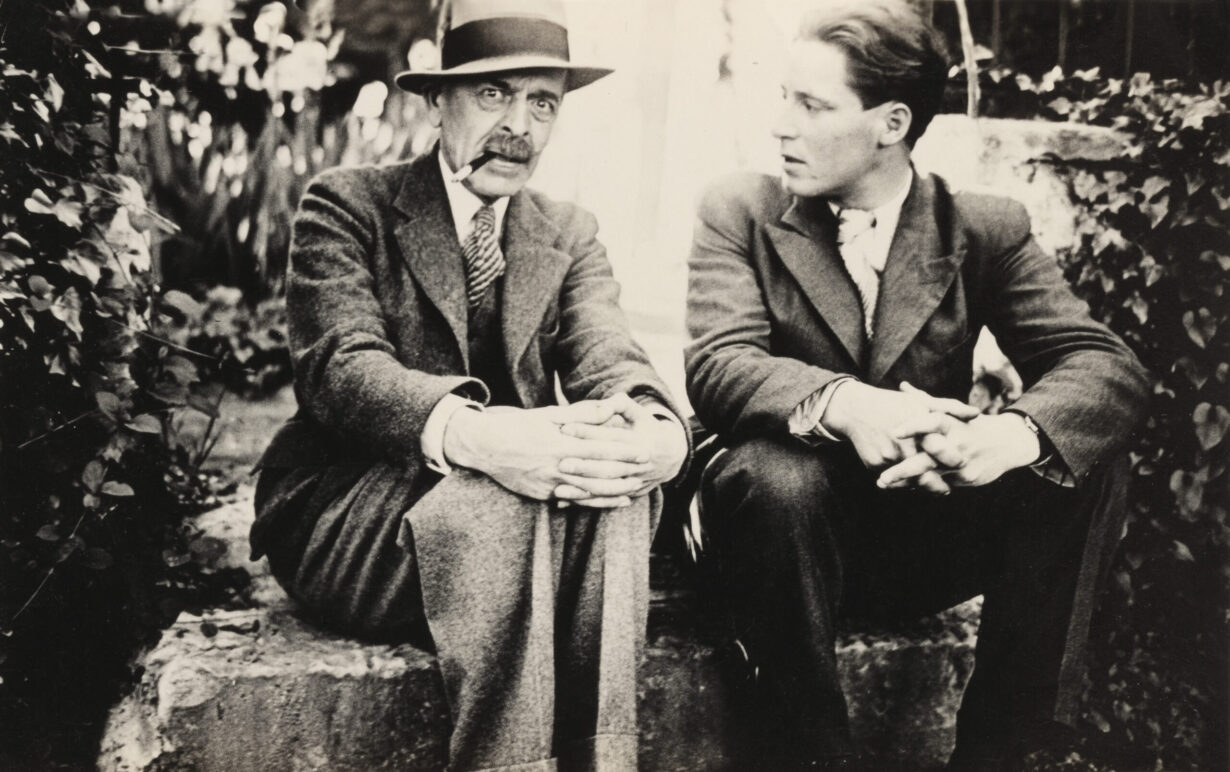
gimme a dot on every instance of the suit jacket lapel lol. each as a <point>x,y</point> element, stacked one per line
<point>921,266</point>
<point>534,270</point>
<point>806,241</point>
<point>428,241</point>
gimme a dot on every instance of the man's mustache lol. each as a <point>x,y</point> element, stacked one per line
<point>513,148</point>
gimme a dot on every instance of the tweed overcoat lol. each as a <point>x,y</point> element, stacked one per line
<point>378,323</point>
<point>773,316</point>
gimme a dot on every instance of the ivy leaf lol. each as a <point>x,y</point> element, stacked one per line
<point>109,404</point>
<point>205,400</point>
<point>1188,488</point>
<point>1156,210</point>
<point>68,310</point>
<point>82,266</point>
<point>129,245</point>
<point>48,533</point>
<point>1201,326</point>
<point>1183,553</point>
<point>69,212</point>
<point>1194,370</point>
<point>70,545</point>
<point>1153,271</point>
<point>183,370</point>
<point>92,476</point>
<point>183,307</point>
<point>1139,306</point>
<point>113,488</point>
<point>1211,424</point>
<point>97,559</point>
<point>146,424</point>
<point>39,203</point>
<point>1154,185</point>
<point>39,286</point>
<point>10,135</point>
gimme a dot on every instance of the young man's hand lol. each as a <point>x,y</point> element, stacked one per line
<point>963,453</point>
<point>868,416</point>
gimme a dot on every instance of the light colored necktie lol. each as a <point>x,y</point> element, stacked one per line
<point>854,234</point>
<point>483,259</point>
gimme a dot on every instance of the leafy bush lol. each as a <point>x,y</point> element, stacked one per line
<point>94,552</point>
<point>245,347</point>
<point>1153,261</point>
<point>229,143</point>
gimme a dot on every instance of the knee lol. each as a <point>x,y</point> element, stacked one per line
<point>774,480</point>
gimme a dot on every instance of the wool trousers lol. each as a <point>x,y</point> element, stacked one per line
<point>802,537</point>
<point>536,613</point>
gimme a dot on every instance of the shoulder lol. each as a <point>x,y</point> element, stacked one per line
<point>743,196</point>
<point>573,222</point>
<point>354,186</point>
<point>990,222</point>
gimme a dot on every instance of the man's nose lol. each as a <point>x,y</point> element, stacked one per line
<point>517,117</point>
<point>783,125</point>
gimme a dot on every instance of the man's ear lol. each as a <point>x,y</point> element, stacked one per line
<point>431,95</point>
<point>897,122</point>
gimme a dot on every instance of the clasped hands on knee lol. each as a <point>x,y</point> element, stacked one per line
<point>594,453</point>
<point>916,440</point>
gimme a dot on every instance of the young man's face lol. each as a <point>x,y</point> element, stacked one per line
<point>829,142</point>
<point>510,114</point>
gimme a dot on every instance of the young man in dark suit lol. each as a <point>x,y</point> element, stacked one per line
<point>430,488</point>
<point>833,314</point>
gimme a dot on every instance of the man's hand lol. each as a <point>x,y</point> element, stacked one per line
<point>662,442</point>
<point>523,450</point>
<point>963,453</point>
<point>867,416</point>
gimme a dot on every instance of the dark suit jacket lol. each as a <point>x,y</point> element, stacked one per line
<point>377,311</point>
<point>773,315</point>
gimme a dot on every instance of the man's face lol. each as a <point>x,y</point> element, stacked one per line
<point>510,114</point>
<point>828,141</point>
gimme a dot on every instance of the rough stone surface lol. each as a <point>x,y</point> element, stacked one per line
<point>261,690</point>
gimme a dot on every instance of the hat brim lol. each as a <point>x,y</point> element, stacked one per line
<point>417,81</point>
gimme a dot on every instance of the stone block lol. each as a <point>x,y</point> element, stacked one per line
<point>262,691</point>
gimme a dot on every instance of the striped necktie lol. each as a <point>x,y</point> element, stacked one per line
<point>854,233</point>
<point>483,259</point>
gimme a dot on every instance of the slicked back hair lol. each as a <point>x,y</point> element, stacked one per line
<point>892,54</point>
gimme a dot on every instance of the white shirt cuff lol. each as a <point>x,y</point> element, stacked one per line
<point>431,441</point>
<point>805,421</point>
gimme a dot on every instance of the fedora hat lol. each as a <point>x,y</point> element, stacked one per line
<point>479,37</point>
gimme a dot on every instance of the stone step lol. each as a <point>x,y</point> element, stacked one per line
<point>262,690</point>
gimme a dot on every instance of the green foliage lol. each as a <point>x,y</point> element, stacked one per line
<point>235,133</point>
<point>93,481</point>
<point>1153,261</point>
<point>246,345</point>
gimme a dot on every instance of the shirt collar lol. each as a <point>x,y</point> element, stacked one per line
<point>888,213</point>
<point>463,204</point>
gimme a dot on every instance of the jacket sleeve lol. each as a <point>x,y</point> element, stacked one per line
<point>347,375</point>
<point>595,354</point>
<point>1083,386</point>
<point>736,383</point>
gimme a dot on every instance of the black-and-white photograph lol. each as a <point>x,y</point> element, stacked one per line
<point>614,385</point>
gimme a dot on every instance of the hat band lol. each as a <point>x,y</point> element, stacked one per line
<point>508,36</point>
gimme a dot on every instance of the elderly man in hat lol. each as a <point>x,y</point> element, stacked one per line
<point>430,487</point>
